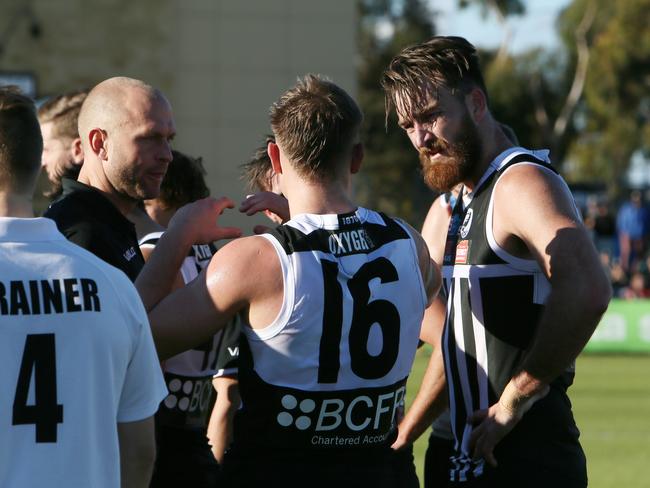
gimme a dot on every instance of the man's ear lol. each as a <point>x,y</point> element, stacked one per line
<point>477,104</point>
<point>274,154</point>
<point>357,158</point>
<point>76,151</point>
<point>97,139</point>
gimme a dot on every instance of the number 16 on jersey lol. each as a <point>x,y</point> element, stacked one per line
<point>366,313</point>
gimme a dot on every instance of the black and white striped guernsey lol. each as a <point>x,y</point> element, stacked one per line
<point>329,373</point>
<point>494,304</point>
<point>189,374</point>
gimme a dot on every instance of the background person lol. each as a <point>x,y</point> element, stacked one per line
<point>632,227</point>
<point>74,333</point>
<point>259,177</point>
<point>62,152</point>
<point>126,128</point>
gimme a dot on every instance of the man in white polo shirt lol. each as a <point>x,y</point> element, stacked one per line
<point>78,370</point>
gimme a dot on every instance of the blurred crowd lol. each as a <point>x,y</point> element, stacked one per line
<point>622,237</point>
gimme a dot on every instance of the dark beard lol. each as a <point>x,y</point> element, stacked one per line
<point>461,161</point>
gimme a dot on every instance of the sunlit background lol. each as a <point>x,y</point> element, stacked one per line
<point>572,76</point>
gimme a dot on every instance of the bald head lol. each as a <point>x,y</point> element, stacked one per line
<point>126,127</point>
<point>113,102</point>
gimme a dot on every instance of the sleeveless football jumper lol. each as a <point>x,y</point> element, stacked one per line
<point>494,303</point>
<point>321,385</point>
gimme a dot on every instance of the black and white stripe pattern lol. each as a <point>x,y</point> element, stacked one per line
<point>494,303</point>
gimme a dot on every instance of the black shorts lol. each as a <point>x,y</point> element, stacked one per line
<point>528,475</point>
<point>184,458</point>
<point>543,450</point>
<point>246,467</point>
<point>405,468</point>
<point>436,462</point>
<point>563,466</point>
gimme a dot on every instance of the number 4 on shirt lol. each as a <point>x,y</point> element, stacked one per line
<point>39,358</point>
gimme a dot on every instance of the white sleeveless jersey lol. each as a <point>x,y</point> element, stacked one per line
<point>76,358</point>
<point>189,374</point>
<point>331,370</point>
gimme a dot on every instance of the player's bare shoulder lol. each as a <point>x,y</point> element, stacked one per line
<point>532,194</point>
<point>429,268</point>
<point>253,260</point>
<point>531,205</point>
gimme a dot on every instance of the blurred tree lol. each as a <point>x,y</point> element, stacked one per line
<point>391,180</point>
<point>588,102</point>
<point>615,114</point>
<point>536,92</point>
<point>390,177</point>
<point>501,9</point>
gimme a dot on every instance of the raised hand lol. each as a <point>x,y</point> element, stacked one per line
<point>274,206</point>
<point>197,222</point>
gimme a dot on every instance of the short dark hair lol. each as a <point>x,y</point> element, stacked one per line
<point>184,181</point>
<point>444,61</point>
<point>63,110</point>
<point>21,143</point>
<point>316,122</point>
<point>258,172</point>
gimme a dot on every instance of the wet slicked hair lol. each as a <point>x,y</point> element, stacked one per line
<point>21,143</point>
<point>257,173</point>
<point>184,181</point>
<point>450,62</point>
<point>63,111</point>
<point>316,123</point>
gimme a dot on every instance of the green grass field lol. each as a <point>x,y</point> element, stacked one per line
<point>611,403</point>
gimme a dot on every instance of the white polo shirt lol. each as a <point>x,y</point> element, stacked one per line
<point>76,358</point>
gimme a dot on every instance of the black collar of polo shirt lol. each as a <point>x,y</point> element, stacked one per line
<point>103,207</point>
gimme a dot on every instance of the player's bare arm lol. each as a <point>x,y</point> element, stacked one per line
<point>428,267</point>
<point>431,393</point>
<point>537,216</point>
<point>147,251</point>
<point>221,420</point>
<point>434,229</point>
<point>137,452</point>
<point>431,399</point>
<point>195,223</point>
<point>434,233</point>
<point>192,314</point>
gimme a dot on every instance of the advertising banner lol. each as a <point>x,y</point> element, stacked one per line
<point>625,327</point>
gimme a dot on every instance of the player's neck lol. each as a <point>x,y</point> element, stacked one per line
<point>492,145</point>
<point>321,200</point>
<point>12,205</point>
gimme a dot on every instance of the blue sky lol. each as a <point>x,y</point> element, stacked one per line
<point>536,28</point>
